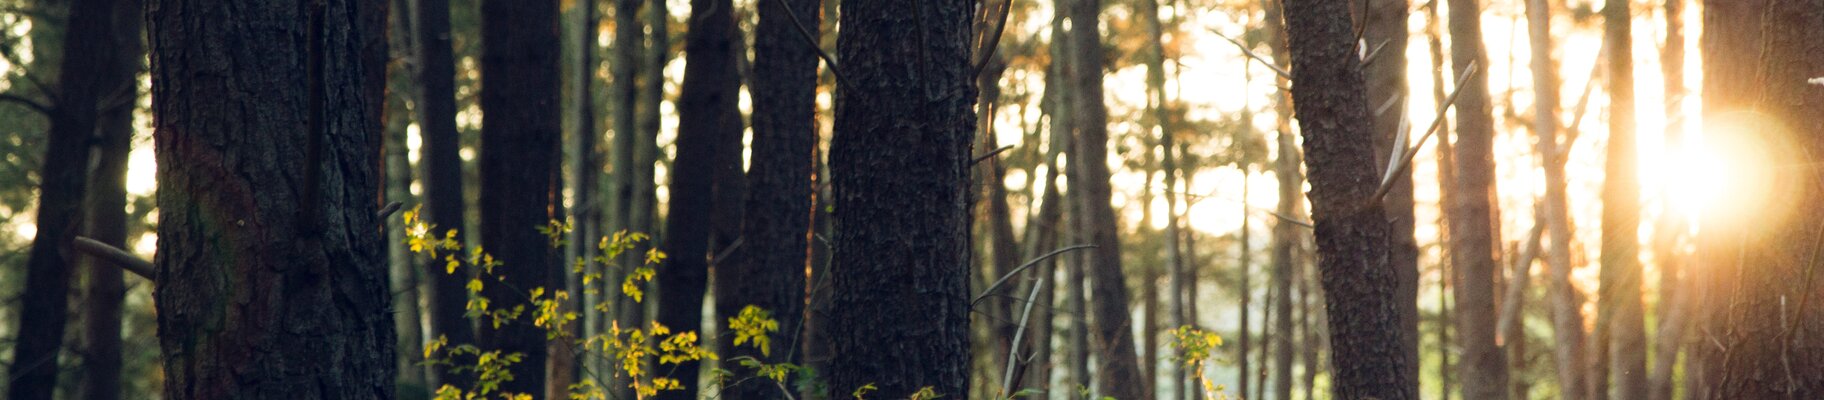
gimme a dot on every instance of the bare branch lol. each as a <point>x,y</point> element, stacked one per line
<point>811,40</point>
<point>994,41</point>
<point>1406,162</point>
<point>1016,271</point>
<point>991,153</point>
<point>41,108</point>
<point>118,257</point>
<point>1250,53</point>
<point>1019,334</point>
<point>388,210</point>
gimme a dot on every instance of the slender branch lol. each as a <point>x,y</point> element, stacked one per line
<point>41,108</point>
<point>1406,161</point>
<point>994,41</point>
<point>811,40</point>
<point>723,255</point>
<point>991,153</point>
<point>388,210</point>
<point>1016,271</point>
<point>1019,334</point>
<point>1376,52</point>
<point>1250,53</point>
<point>120,258</point>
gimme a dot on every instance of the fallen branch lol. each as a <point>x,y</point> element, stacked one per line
<point>118,257</point>
<point>1406,161</point>
<point>1016,271</point>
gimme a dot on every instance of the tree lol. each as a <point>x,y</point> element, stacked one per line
<point>107,216</point>
<point>1471,212</point>
<point>1764,70</point>
<point>1119,374</point>
<point>769,267</point>
<point>87,87</point>
<point>253,273</point>
<point>1620,305</point>
<point>1567,314</point>
<point>708,147</point>
<point>900,166</point>
<point>442,176</point>
<point>1385,32</point>
<point>1673,313</point>
<point>519,161</point>
<point>1331,101</point>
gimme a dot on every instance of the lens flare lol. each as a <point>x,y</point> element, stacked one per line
<point>1740,172</point>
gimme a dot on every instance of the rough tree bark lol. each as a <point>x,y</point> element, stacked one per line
<point>1119,372</point>
<point>90,53</point>
<point>1763,302</point>
<point>1621,271</point>
<point>1471,212</point>
<point>270,253</point>
<point>107,202</point>
<point>1331,101</point>
<point>900,164</point>
<point>1385,33</point>
<point>769,268</point>
<point>519,161</point>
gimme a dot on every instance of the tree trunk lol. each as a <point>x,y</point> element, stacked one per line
<point>401,268</point>
<point>519,136</point>
<point>900,164</point>
<point>1621,272</point>
<point>1567,320</point>
<point>90,51</point>
<point>769,267</point>
<point>1330,99</point>
<point>1763,302</point>
<point>1003,247</point>
<point>442,178</point>
<point>1285,234</point>
<point>1385,33</point>
<point>1471,212</point>
<point>705,176</point>
<point>1672,313</point>
<point>586,200</point>
<point>256,273</point>
<point>104,289</point>
<point>1119,375</point>
<point>1445,165</point>
<point>1174,265</point>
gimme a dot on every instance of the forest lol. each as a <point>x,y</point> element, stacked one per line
<point>911,199</point>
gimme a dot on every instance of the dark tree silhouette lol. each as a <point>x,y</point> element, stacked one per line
<point>272,279</point>
<point>519,161</point>
<point>441,176</point>
<point>900,168</point>
<point>107,203</point>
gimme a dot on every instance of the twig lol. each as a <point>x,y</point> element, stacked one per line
<point>388,210</point>
<point>723,255</point>
<point>1376,52</point>
<point>120,258</point>
<point>991,153</point>
<point>811,40</point>
<point>41,108</point>
<point>1019,334</point>
<point>1016,271</point>
<point>1250,53</point>
<point>994,42</point>
<point>1406,161</point>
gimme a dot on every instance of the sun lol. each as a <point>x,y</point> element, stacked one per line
<point>1738,170</point>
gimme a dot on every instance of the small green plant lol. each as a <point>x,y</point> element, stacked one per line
<point>1195,346</point>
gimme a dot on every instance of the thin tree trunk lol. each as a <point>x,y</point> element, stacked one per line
<point>104,289</point>
<point>1445,165</point>
<point>1385,33</point>
<point>1621,271</point>
<point>1566,304</point>
<point>519,162</point>
<point>1512,321</point>
<point>1358,281</point>
<point>89,52</point>
<point>402,269</point>
<point>901,247</point>
<point>1285,235</point>
<point>1671,313</point>
<point>441,165</point>
<point>1119,373</point>
<point>1267,339</point>
<point>307,256</point>
<point>768,270</point>
<point>1471,212</point>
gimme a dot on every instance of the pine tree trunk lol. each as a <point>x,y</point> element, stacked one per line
<point>519,161</point>
<point>900,168</point>
<point>1330,99</point>
<point>1385,33</point>
<point>1763,303</point>
<point>1445,164</point>
<point>89,51</point>
<point>768,269</point>
<point>1567,320</point>
<point>256,273</point>
<point>1471,212</point>
<point>442,176</point>
<point>1671,312</point>
<point>1621,271</point>
<point>107,219</point>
